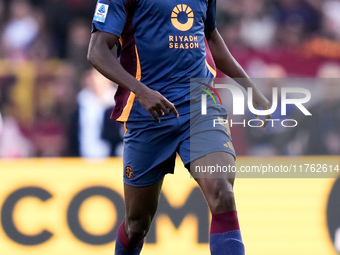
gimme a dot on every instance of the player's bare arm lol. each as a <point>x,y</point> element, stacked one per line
<point>227,64</point>
<point>101,57</point>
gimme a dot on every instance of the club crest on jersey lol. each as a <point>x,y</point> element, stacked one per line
<point>128,172</point>
<point>101,12</point>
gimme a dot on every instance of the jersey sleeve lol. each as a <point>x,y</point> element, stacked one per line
<point>210,21</point>
<point>109,17</point>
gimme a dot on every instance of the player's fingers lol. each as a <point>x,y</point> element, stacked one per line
<point>173,109</point>
<point>265,120</point>
<point>158,110</point>
<point>260,123</point>
<point>165,110</point>
<point>155,115</point>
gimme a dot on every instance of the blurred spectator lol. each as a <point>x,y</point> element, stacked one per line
<point>320,134</point>
<point>58,19</point>
<point>21,29</point>
<point>81,8</point>
<point>298,12</point>
<point>331,20</point>
<point>2,22</point>
<point>257,26</point>
<point>6,84</point>
<point>42,49</point>
<point>113,133</point>
<point>54,91</point>
<point>21,91</point>
<point>53,102</point>
<point>86,134</point>
<point>62,14</point>
<point>229,17</point>
<point>272,141</point>
<point>77,45</point>
<point>296,19</point>
<point>13,144</point>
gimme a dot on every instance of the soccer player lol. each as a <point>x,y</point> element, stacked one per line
<point>163,47</point>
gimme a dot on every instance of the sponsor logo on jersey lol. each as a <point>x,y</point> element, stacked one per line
<point>182,17</point>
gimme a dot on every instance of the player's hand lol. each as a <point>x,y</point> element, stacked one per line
<point>259,100</point>
<point>156,104</point>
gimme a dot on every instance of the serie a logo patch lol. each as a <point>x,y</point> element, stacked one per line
<point>101,12</point>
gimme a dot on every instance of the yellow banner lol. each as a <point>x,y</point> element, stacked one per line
<point>74,206</point>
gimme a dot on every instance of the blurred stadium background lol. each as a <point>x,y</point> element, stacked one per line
<point>57,141</point>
